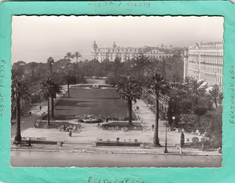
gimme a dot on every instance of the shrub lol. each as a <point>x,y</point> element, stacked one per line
<point>200,110</point>
<point>205,102</point>
<point>206,143</point>
<point>195,140</point>
<point>185,105</point>
<point>216,142</point>
<point>35,98</point>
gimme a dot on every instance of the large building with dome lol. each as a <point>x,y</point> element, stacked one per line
<point>110,53</point>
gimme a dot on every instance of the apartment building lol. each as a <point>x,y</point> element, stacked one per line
<point>205,61</point>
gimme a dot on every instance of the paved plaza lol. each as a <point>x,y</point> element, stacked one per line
<point>84,139</point>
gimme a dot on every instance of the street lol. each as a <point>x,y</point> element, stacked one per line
<point>68,159</point>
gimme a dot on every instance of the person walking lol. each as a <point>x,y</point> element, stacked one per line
<point>182,140</point>
<point>29,143</point>
<point>70,132</point>
<point>152,127</point>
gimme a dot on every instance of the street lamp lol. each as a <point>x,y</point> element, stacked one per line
<point>173,121</point>
<point>166,124</point>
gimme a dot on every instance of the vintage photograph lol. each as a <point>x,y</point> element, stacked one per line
<point>116,91</point>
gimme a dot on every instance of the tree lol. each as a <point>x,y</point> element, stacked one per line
<point>19,90</point>
<point>76,55</point>
<point>32,66</point>
<point>140,65</point>
<point>50,61</point>
<point>162,67</point>
<point>69,56</point>
<point>194,89</point>
<point>215,93</point>
<point>68,78</point>
<point>117,63</point>
<point>76,66</point>
<point>198,89</point>
<point>49,89</point>
<point>212,124</point>
<point>157,85</point>
<point>18,70</point>
<point>130,90</point>
<point>110,79</point>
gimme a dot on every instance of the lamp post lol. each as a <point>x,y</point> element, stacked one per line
<point>173,121</point>
<point>166,124</point>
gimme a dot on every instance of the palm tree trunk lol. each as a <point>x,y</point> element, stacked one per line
<point>130,112</point>
<point>155,137</point>
<point>18,130</point>
<point>52,107</point>
<point>48,112</point>
<point>215,102</point>
<point>51,70</point>
<point>68,88</point>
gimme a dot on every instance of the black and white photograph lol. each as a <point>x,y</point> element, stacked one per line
<point>116,91</point>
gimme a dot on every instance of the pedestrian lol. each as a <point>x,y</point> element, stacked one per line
<point>40,107</point>
<point>203,147</point>
<point>70,132</point>
<point>182,140</point>
<point>107,120</point>
<point>152,127</point>
<point>29,143</point>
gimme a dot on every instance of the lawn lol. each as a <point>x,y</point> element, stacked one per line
<point>99,102</point>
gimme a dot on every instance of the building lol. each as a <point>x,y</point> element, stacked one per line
<point>157,54</point>
<point>205,61</point>
<point>128,53</point>
<point>110,53</point>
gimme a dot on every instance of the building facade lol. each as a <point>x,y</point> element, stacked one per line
<point>126,53</point>
<point>110,53</point>
<point>205,61</point>
<point>157,54</point>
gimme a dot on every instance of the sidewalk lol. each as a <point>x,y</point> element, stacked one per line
<point>90,148</point>
<point>147,117</point>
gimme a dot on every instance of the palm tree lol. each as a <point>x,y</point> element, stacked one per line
<point>50,61</point>
<point>157,85</point>
<point>197,89</point>
<point>76,55</point>
<point>19,90</point>
<point>68,79</point>
<point>117,63</point>
<point>129,89</point>
<point>215,93</point>
<point>69,56</point>
<point>49,89</point>
<point>76,66</point>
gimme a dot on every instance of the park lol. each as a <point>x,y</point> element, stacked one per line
<point>130,113</point>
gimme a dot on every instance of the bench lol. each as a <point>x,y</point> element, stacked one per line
<point>115,143</point>
<point>27,142</point>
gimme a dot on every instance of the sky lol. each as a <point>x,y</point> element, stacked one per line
<point>36,38</point>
